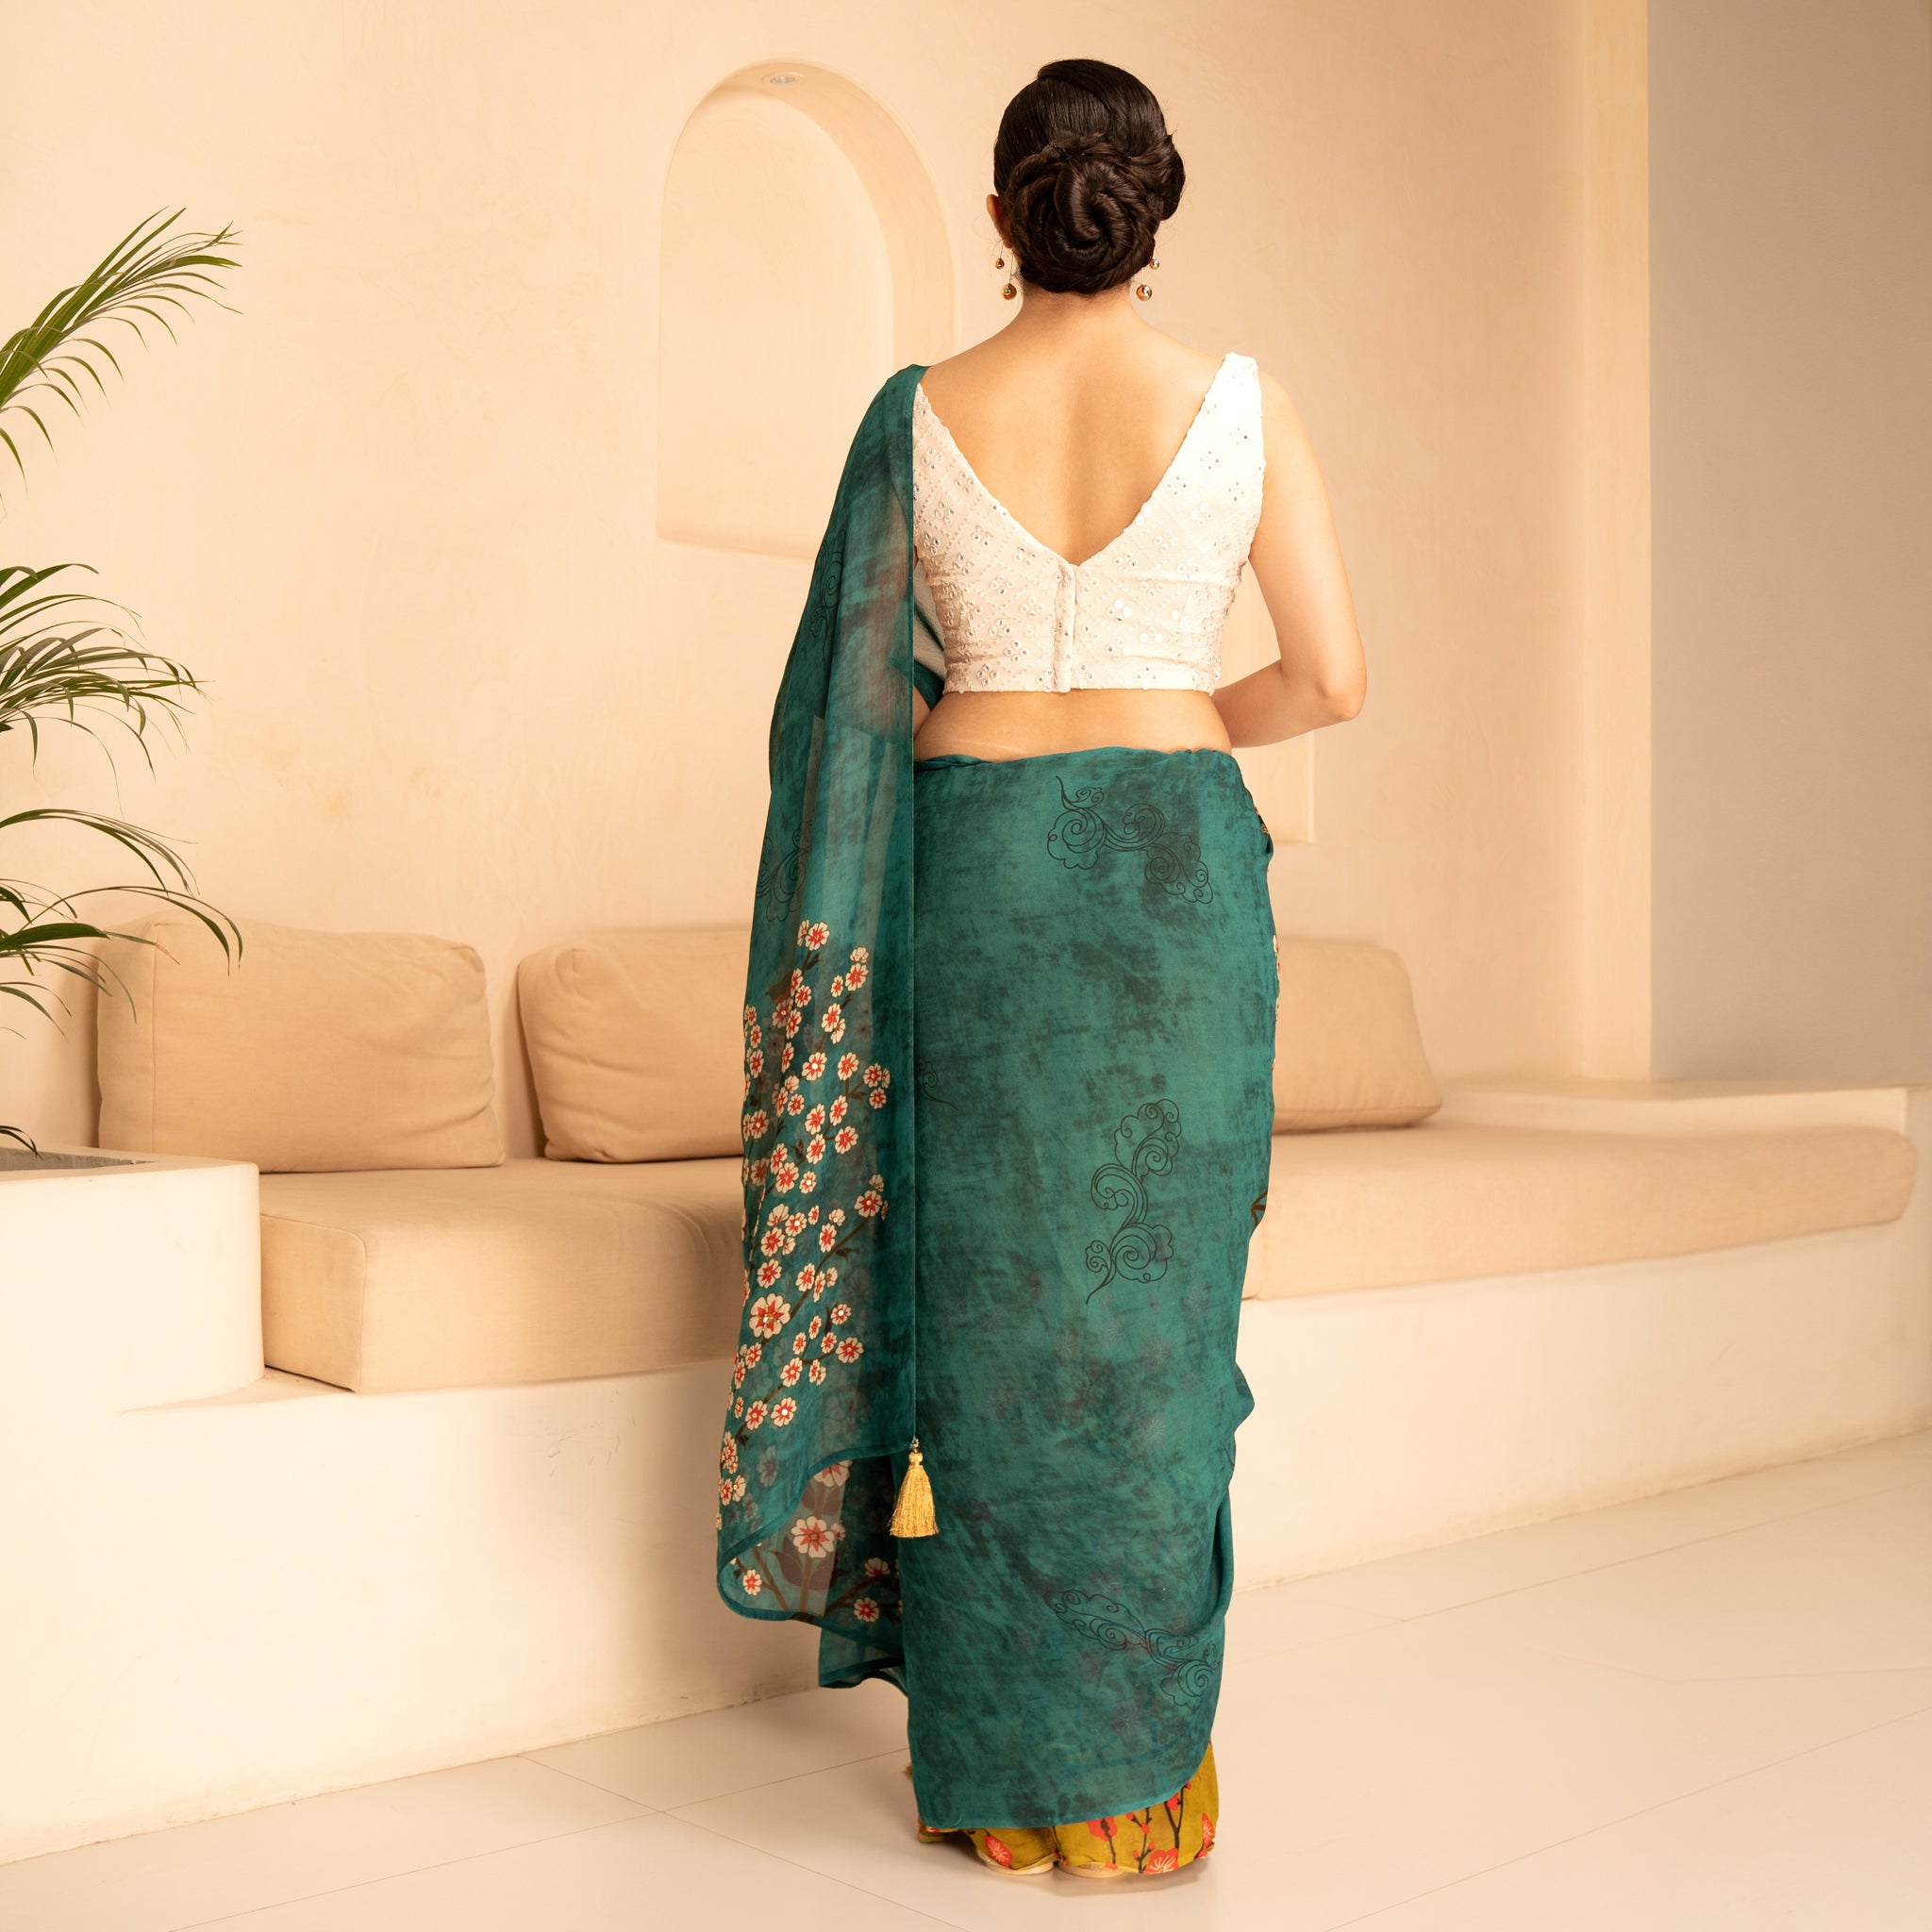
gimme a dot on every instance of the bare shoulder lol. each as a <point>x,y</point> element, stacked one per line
<point>1146,362</point>
<point>1284,437</point>
<point>1165,362</point>
<point>1194,366</point>
<point>1277,406</point>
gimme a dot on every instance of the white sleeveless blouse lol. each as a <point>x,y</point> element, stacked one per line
<point>1000,612</point>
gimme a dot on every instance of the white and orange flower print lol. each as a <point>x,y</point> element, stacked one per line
<point>769,1314</point>
<point>812,1179</point>
<point>812,1536</point>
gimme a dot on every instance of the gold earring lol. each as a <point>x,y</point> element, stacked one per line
<point>1009,291</point>
<point>1144,290</point>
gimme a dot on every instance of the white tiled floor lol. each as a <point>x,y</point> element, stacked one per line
<point>1708,1711</point>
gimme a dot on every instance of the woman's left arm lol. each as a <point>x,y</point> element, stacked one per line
<point>1321,677</point>
<point>928,649</point>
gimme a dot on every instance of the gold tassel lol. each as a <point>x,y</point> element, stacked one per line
<point>912,1514</point>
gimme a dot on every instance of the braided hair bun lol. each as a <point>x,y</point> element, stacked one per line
<point>1086,172</point>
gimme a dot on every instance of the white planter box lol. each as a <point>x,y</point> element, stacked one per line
<point>125,1280</point>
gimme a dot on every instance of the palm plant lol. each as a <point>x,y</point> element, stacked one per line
<point>70,657</point>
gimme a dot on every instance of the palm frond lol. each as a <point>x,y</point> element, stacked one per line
<point>74,659</point>
<point>66,656</point>
<point>148,271</point>
<point>166,868</point>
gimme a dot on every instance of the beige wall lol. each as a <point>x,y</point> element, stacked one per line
<point>1791,275</point>
<point>402,512</point>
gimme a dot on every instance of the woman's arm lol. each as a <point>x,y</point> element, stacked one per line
<point>928,649</point>
<point>1321,677</point>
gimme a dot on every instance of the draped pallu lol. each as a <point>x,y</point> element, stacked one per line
<point>1009,1029</point>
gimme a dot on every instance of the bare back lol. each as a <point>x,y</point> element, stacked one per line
<point>1071,430</point>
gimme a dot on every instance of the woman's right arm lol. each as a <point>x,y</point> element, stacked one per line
<point>1320,676</point>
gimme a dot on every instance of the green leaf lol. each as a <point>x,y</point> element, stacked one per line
<point>152,267</point>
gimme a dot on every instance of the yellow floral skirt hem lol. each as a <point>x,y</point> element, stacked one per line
<point>1160,1838</point>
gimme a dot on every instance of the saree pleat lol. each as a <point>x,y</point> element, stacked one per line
<point>1008,1030</point>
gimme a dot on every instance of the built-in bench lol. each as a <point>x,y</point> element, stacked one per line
<point>471,1512</point>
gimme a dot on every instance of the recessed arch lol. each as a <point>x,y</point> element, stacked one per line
<point>805,256</point>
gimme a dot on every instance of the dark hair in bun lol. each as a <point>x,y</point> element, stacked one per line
<point>1086,172</point>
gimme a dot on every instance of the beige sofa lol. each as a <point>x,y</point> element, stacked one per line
<point>436,1274</point>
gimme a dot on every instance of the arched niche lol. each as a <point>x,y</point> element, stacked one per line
<point>805,257</point>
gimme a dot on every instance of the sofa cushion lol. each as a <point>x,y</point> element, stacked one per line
<point>318,1050</point>
<point>1444,1202</point>
<point>525,1273</point>
<point>539,1270</point>
<point>635,1044</point>
<point>1347,1050</point>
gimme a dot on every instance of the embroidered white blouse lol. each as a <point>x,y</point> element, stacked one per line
<point>1000,611</point>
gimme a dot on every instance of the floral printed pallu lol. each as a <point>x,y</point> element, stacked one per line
<point>1009,1031</point>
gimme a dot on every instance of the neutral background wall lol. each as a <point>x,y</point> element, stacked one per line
<point>402,511</point>
<point>1791,367</point>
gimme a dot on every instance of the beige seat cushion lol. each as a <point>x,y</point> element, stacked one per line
<point>537,1269</point>
<point>1347,1050</point>
<point>637,1044</point>
<point>1444,1202</point>
<point>524,1272</point>
<point>318,1050</point>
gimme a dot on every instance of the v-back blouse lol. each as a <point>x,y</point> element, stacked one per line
<point>1000,611</point>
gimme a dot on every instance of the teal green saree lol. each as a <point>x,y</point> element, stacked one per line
<point>1008,1032</point>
